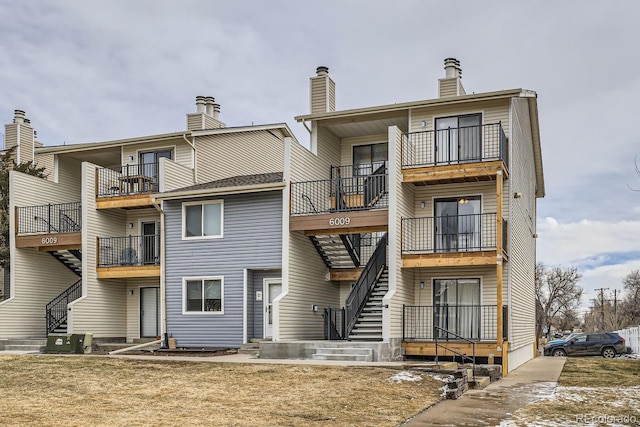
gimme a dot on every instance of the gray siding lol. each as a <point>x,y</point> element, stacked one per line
<point>255,309</point>
<point>252,240</point>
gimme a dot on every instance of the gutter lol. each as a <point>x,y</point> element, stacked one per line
<point>254,188</point>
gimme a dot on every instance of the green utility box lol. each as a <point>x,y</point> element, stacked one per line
<point>60,343</point>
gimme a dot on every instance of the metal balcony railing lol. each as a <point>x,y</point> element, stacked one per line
<point>462,233</point>
<point>128,251</point>
<point>127,179</point>
<point>454,146</point>
<point>350,188</point>
<point>58,218</point>
<point>472,322</point>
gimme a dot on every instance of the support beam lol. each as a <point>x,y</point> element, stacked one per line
<point>499,320</point>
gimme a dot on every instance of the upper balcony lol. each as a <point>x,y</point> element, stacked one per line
<point>126,186</point>
<point>354,197</point>
<point>49,227</point>
<point>443,241</point>
<point>470,153</point>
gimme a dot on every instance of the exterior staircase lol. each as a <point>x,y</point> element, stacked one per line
<point>333,250</point>
<point>72,259</point>
<point>368,327</point>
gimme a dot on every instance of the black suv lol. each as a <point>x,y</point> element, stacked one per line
<point>607,344</point>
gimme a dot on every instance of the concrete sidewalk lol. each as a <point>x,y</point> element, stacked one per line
<point>528,383</point>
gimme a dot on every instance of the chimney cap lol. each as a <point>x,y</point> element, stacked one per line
<point>452,68</point>
<point>209,99</point>
<point>322,70</point>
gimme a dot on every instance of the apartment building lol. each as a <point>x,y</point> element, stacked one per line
<point>413,226</point>
<point>400,230</point>
<point>88,248</point>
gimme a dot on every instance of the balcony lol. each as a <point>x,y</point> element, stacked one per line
<point>424,329</point>
<point>128,256</point>
<point>49,227</point>
<point>454,154</point>
<point>126,186</point>
<point>452,240</point>
<point>344,201</point>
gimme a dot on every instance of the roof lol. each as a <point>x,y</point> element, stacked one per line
<point>232,185</point>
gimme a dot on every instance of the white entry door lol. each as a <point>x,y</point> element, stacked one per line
<point>272,288</point>
<point>149,312</point>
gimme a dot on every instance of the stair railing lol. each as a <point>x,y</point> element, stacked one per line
<point>58,307</point>
<point>462,356</point>
<point>334,323</point>
<point>364,286</point>
<point>375,185</point>
<point>352,243</point>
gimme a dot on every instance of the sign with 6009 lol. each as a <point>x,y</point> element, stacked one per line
<point>339,221</point>
<point>49,240</point>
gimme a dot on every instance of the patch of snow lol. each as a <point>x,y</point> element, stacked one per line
<point>404,376</point>
<point>444,379</point>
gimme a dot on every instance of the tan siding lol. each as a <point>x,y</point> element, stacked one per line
<point>242,153</point>
<point>181,154</point>
<point>486,274</point>
<point>522,227</point>
<point>195,121</point>
<point>307,286</point>
<point>10,135</point>
<point>47,161</point>
<point>134,216</point>
<point>404,200</point>
<point>332,95</point>
<point>133,304</point>
<point>318,95</point>
<point>26,144</point>
<point>37,276</point>
<point>493,111</point>
<point>428,193</point>
<point>174,175</point>
<point>70,177</point>
<point>448,87</point>
<point>102,310</point>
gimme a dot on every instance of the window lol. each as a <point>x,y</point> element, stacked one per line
<point>202,220</point>
<point>203,295</point>
<point>369,158</point>
<point>459,139</point>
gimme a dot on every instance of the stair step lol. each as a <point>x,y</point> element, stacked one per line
<point>342,357</point>
<point>479,382</point>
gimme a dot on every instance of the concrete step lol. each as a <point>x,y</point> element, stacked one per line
<point>344,353</point>
<point>479,382</point>
<point>249,348</point>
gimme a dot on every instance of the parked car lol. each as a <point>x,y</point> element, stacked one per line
<point>561,340</point>
<point>606,344</point>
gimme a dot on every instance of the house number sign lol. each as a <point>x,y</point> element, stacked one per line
<point>49,240</point>
<point>340,221</point>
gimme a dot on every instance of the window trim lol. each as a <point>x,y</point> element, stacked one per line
<point>202,313</point>
<point>202,203</point>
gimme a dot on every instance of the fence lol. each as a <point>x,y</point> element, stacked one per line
<point>631,337</point>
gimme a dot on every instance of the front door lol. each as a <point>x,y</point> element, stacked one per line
<point>272,288</point>
<point>149,312</point>
<point>149,246</point>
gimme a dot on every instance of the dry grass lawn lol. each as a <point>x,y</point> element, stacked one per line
<point>591,391</point>
<point>88,391</point>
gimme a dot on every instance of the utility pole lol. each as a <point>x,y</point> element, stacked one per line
<point>615,309</point>
<point>602,305</point>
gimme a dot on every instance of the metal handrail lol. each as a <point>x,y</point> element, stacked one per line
<point>49,218</point>
<point>129,251</point>
<point>466,144</point>
<point>364,286</point>
<point>474,322</point>
<point>334,323</point>
<point>462,356</point>
<point>460,233</point>
<point>56,310</point>
<point>127,179</point>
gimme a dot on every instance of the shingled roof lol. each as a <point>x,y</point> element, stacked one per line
<point>234,181</point>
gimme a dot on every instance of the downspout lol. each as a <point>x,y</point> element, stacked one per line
<point>163,298</point>
<point>195,157</point>
<point>306,127</point>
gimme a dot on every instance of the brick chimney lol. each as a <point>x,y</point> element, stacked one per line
<point>207,115</point>
<point>451,84</point>
<point>21,135</point>
<point>323,91</point>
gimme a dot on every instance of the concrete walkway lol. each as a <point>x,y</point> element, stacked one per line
<point>528,383</point>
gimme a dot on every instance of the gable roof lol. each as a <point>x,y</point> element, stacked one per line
<point>231,185</point>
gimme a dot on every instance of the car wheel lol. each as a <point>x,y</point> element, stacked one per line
<point>558,352</point>
<point>609,353</point>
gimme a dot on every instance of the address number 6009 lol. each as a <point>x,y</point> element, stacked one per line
<point>340,221</point>
<point>49,240</point>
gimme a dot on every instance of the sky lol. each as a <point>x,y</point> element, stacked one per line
<point>89,71</point>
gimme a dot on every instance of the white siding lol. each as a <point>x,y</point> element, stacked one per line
<point>401,201</point>
<point>242,153</point>
<point>522,247</point>
<point>103,308</point>
<point>174,175</point>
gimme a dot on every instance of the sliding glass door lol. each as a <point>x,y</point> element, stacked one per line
<point>457,307</point>
<point>457,222</point>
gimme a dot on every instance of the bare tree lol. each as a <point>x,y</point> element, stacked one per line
<point>558,295</point>
<point>630,305</point>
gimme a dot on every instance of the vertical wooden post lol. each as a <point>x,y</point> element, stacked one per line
<point>499,320</point>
